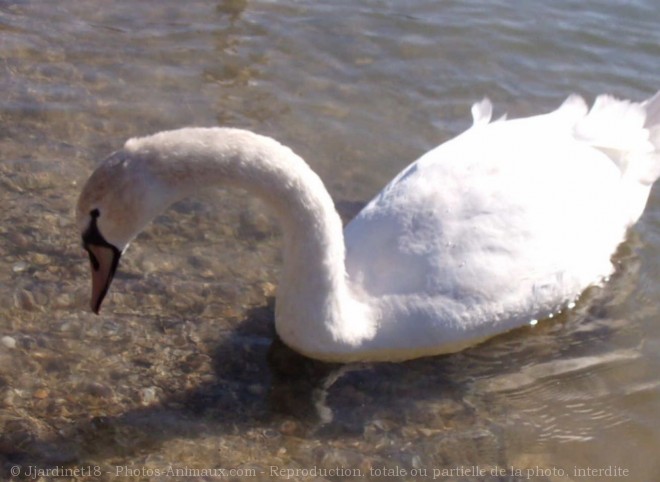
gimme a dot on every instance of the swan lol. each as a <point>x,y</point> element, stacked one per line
<point>503,225</point>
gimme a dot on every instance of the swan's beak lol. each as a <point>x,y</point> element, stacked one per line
<point>104,261</point>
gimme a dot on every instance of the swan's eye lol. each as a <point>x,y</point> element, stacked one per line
<point>92,235</point>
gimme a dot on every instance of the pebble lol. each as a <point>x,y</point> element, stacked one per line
<point>39,259</point>
<point>9,342</point>
<point>25,300</point>
<point>99,390</point>
<point>19,267</point>
<point>289,427</point>
<point>148,395</point>
<point>41,394</point>
<point>268,289</point>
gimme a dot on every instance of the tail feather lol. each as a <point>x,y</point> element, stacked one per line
<point>482,112</point>
<point>628,132</point>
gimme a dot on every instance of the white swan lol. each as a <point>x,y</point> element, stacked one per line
<point>505,224</point>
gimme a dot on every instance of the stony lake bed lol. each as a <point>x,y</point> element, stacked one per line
<point>182,376</point>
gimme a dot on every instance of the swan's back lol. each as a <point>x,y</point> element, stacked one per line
<point>508,221</point>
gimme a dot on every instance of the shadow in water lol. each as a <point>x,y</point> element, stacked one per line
<point>258,384</point>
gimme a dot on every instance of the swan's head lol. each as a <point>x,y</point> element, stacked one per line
<point>112,209</point>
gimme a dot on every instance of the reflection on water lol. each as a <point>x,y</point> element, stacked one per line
<point>179,371</point>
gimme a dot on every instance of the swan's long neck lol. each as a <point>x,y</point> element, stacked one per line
<point>315,310</point>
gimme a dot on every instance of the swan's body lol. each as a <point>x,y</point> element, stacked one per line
<point>507,223</point>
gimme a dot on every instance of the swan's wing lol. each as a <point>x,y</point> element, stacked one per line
<point>509,217</point>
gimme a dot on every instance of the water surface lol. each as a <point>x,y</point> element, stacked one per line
<point>179,371</point>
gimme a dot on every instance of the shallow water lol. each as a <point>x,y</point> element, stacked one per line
<point>179,373</point>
